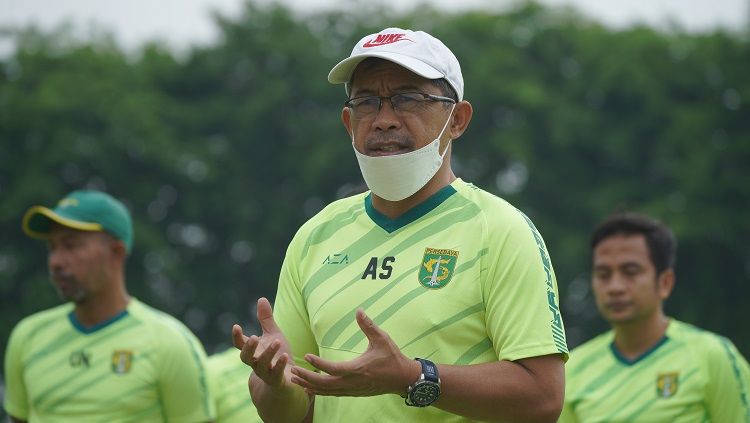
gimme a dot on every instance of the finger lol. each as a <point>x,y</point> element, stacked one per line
<point>304,383</point>
<point>309,379</point>
<point>247,353</point>
<point>265,316</point>
<point>319,384</point>
<point>273,375</point>
<point>330,367</point>
<point>276,372</point>
<point>369,328</point>
<point>238,338</point>
<point>265,358</point>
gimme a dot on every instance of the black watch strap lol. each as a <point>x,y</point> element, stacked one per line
<point>429,370</point>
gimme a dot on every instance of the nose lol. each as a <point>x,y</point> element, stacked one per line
<point>616,285</point>
<point>386,118</point>
<point>55,260</point>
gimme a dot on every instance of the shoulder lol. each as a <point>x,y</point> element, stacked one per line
<point>338,212</point>
<point>498,213</point>
<point>159,323</point>
<point>509,231</point>
<point>40,320</point>
<point>603,340</point>
<point>225,356</point>
<point>229,358</point>
<point>581,355</point>
<point>707,344</point>
<point>481,198</point>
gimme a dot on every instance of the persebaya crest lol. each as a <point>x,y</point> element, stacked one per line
<point>438,267</point>
<point>666,384</point>
<point>122,361</point>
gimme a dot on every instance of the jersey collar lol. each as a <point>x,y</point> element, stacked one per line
<point>622,359</point>
<point>91,329</point>
<point>391,225</point>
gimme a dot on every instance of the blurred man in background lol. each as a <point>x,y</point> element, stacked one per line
<point>103,356</point>
<point>423,265</point>
<point>649,367</point>
<point>228,382</point>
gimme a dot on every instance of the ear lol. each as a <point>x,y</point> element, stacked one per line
<point>117,250</point>
<point>346,118</point>
<point>665,282</point>
<point>462,114</point>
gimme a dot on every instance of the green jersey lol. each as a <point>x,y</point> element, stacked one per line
<point>140,366</point>
<point>228,377</point>
<point>463,278</point>
<point>690,376</point>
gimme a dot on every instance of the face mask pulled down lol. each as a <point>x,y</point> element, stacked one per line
<point>397,177</point>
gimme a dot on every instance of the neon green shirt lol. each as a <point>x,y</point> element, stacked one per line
<point>692,376</point>
<point>228,377</point>
<point>141,366</point>
<point>463,278</point>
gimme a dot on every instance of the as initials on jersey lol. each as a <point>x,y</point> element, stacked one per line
<point>371,271</point>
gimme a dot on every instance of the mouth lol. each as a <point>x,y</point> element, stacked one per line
<point>617,306</point>
<point>388,144</point>
<point>387,150</point>
<point>62,281</point>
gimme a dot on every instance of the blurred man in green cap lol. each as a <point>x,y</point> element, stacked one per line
<point>102,356</point>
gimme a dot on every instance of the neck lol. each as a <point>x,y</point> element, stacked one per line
<point>633,339</point>
<point>394,209</point>
<point>106,305</point>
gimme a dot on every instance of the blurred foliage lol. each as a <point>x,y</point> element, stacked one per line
<point>222,153</point>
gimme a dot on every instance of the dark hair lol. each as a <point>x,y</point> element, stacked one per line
<point>446,90</point>
<point>442,84</point>
<point>661,242</point>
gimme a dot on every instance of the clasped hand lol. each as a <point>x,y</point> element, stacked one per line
<point>381,369</point>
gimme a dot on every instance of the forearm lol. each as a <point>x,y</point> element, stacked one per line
<point>285,403</point>
<point>529,391</point>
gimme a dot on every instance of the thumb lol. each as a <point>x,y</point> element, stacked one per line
<point>369,328</point>
<point>265,316</point>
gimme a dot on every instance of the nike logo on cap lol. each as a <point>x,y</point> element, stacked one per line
<point>383,39</point>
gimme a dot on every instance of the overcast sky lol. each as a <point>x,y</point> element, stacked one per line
<point>184,22</point>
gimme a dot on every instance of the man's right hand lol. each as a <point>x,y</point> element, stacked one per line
<point>267,354</point>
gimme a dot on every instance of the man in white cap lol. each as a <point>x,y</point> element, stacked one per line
<point>423,299</point>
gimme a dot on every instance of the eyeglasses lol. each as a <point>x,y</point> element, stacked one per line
<point>402,103</point>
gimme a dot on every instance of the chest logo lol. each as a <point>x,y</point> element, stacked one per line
<point>666,384</point>
<point>79,359</point>
<point>338,258</point>
<point>122,361</point>
<point>438,267</point>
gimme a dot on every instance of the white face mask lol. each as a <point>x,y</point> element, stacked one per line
<point>397,177</point>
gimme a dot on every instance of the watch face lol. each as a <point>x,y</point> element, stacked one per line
<point>425,393</point>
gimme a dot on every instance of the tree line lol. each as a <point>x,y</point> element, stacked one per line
<point>221,152</point>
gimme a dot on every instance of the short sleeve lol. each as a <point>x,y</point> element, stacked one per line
<point>290,312</point>
<point>728,390</point>
<point>183,380</point>
<point>520,290</point>
<point>16,399</point>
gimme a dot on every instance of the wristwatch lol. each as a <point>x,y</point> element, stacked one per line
<point>426,389</point>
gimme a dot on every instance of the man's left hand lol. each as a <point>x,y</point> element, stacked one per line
<point>381,369</point>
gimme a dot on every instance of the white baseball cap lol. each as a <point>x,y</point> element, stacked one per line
<point>417,51</point>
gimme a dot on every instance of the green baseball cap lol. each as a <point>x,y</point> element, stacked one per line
<point>84,210</point>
